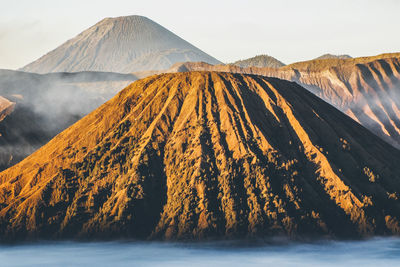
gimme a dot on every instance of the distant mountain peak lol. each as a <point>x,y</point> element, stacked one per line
<point>260,61</point>
<point>329,56</point>
<point>120,44</point>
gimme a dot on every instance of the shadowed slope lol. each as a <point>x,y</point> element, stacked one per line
<point>202,154</point>
<point>366,89</point>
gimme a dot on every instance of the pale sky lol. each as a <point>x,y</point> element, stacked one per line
<point>228,30</point>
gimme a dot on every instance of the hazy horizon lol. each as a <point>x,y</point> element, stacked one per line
<point>227,30</point>
<point>371,252</point>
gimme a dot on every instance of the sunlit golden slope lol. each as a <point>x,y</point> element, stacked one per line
<point>6,107</point>
<point>206,155</point>
<point>367,88</point>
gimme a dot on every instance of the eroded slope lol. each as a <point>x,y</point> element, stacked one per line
<point>206,155</point>
<point>366,89</point>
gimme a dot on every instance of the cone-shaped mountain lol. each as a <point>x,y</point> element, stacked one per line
<point>122,44</point>
<point>206,155</point>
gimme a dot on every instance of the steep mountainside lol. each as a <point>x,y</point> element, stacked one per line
<point>330,56</point>
<point>261,61</point>
<point>206,155</point>
<point>122,44</point>
<point>44,105</point>
<point>367,89</point>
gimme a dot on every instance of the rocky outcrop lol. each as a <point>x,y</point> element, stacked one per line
<point>6,107</point>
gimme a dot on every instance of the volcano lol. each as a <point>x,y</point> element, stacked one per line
<point>122,44</point>
<point>201,155</point>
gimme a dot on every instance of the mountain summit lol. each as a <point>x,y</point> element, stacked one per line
<point>203,155</point>
<point>261,61</point>
<point>122,44</point>
<point>330,56</point>
<point>365,88</point>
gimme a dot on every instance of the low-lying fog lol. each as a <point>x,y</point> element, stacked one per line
<point>375,252</point>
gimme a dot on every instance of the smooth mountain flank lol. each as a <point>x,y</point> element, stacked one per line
<point>122,44</point>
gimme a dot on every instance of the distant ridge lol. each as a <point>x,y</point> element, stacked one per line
<point>260,61</point>
<point>329,56</point>
<point>122,44</point>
